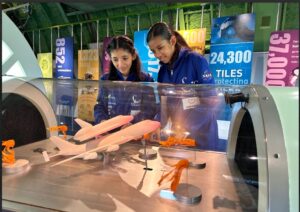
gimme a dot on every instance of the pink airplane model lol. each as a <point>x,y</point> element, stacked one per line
<point>107,143</point>
<point>88,137</point>
<point>89,131</point>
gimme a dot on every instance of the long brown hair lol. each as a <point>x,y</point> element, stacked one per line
<point>162,29</point>
<point>124,42</point>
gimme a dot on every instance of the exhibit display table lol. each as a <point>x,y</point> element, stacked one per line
<point>123,184</point>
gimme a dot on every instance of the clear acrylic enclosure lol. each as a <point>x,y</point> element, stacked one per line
<point>196,112</point>
<point>239,132</point>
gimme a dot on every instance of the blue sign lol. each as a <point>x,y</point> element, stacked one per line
<point>231,64</point>
<point>233,29</point>
<point>64,58</point>
<point>150,63</point>
<point>232,40</point>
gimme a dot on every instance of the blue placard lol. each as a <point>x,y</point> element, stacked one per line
<point>232,40</point>
<point>64,58</point>
<point>231,64</point>
<point>64,103</point>
<point>149,62</point>
<point>233,29</point>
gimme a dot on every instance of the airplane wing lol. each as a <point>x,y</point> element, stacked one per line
<point>132,132</point>
<point>103,127</point>
<point>66,147</point>
<point>82,123</point>
<point>101,148</point>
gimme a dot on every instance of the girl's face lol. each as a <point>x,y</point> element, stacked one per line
<point>163,49</point>
<point>122,60</point>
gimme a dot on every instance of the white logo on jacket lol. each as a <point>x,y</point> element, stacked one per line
<point>184,81</point>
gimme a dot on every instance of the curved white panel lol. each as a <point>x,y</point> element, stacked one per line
<point>19,59</point>
<point>35,96</point>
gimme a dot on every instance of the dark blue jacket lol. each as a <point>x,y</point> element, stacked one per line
<point>198,119</point>
<point>189,68</point>
<point>125,98</point>
<point>131,77</point>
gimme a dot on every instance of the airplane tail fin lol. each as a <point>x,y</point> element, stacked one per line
<point>61,143</point>
<point>82,123</point>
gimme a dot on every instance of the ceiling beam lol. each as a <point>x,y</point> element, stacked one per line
<point>96,10</point>
<point>165,8</point>
<point>16,7</point>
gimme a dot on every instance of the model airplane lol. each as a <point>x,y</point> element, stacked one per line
<point>184,163</point>
<point>60,128</point>
<point>174,141</point>
<point>67,148</point>
<point>89,131</point>
<point>8,153</point>
<point>109,142</point>
<point>91,134</point>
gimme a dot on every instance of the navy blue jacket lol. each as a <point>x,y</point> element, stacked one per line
<point>197,119</point>
<point>131,77</point>
<point>124,97</point>
<point>189,68</point>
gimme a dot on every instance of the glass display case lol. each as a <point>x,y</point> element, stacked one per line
<point>240,136</point>
<point>192,108</point>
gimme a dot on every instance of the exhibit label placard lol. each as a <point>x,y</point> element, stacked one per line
<point>87,98</point>
<point>65,98</point>
<point>64,57</point>
<point>232,41</point>
<point>283,58</point>
<point>195,39</point>
<point>45,63</point>
<point>88,64</point>
<point>150,63</point>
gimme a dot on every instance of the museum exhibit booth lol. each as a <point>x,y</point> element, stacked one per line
<point>229,147</point>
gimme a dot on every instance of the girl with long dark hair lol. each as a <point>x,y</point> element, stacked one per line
<point>122,96</point>
<point>189,109</point>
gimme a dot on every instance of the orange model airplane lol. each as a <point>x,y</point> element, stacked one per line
<point>8,154</point>
<point>173,141</point>
<point>184,163</point>
<point>61,128</point>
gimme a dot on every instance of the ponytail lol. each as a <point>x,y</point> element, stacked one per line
<point>181,41</point>
<point>163,30</point>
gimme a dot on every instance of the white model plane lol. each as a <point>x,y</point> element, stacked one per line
<point>107,143</point>
<point>89,131</point>
<point>88,137</point>
<point>67,148</point>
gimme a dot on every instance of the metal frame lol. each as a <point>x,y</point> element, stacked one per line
<point>270,143</point>
<point>35,96</point>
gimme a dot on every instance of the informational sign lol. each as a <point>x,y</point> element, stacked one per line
<point>45,63</point>
<point>65,99</point>
<point>88,64</point>
<point>231,49</point>
<point>150,63</point>
<point>231,65</point>
<point>105,56</point>
<point>283,58</point>
<point>195,39</point>
<point>64,58</point>
<point>87,97</point>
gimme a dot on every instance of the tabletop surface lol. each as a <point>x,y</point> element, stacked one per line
<point>123,184</point>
